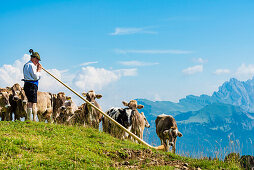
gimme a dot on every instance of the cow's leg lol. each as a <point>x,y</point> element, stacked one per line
<point>3,116</point>
<point>49,118</point>
<point>174,147</point>
<point>8,116</point>
<point>29,110</point>
<point>166,145</point>
<point>141,134</point>
<point>39,115</point>
<point>34,112</point>
<point>162,141</point>
<point>17,117</point>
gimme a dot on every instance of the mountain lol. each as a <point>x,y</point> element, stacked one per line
<point>218,115</point>
<point>234,92</point>
<point>209,123</point>
<point>238,93</point>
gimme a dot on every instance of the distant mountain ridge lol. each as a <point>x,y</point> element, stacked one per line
<point>217,115</point>
<point>234,92</point>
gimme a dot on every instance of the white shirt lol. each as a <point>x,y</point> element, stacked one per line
<point>30,71</point>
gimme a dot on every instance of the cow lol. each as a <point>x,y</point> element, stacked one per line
<point>123,116</point>
<point>59,100</point>
<point>88,115</point>
<point>44,107</point>
<point>167,131</point>
<point>139,122</point>
<point>18,101</point>
<point>5,107</point>
<point>66,112</point>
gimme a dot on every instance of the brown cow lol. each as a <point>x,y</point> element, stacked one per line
<point>139,122</point>
<point>18,102</point>
<point>58,104</point>
<point>66,112</point>
<point>167,131</point>
<point>92,117</point>
<point>5,107</point>
<point>44,107</point>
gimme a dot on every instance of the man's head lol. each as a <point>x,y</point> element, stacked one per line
<point>35,57</point>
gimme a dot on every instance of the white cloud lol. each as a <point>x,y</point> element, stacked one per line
<point>127,72</point>
<point>193,70</point>
<point>49,84</point>
<point>137,63</point>
<point>245,72</point>
<point>222,71</point>
<point>11,74</point>
<point>88,63</point>
<point>126,31</point>
<point>96,78</point>
<point>200,60</point>
<point>152,51</point>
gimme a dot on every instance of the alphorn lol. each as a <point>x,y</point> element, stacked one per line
<point>115,122</point>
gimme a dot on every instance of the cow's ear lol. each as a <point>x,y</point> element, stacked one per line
<point>68,98</point>
<point>179,134</point>
<point>98,96</point>
<point>165,132</point>
<point>125,103</point>
<point>140,106</point>
<point>84,94</point>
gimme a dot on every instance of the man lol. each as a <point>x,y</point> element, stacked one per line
<point>32,75</point>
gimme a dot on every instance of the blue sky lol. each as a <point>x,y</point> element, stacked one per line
<point>125,49</point>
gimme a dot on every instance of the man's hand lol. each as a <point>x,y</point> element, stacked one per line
<point>39,67</point>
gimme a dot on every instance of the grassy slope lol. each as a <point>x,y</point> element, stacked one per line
<point>36,145</point>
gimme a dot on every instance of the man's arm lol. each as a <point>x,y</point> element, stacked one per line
<point>36,72</point>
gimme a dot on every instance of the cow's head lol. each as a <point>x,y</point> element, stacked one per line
<point>171,135</point>
<point>91,96</point>
<point>4,101</point>
<point>147,125</point>
<point>59,101</point>
<point>16,92</point>
<point>68,107</point>
<point>65,115</point>
<point>133,105</point>
<point>18,97</point>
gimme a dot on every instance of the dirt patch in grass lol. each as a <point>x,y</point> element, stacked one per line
<point>138,159</point>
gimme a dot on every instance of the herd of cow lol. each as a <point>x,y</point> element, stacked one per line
<point>60,109</point>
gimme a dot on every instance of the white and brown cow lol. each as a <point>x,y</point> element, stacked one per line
<point>90,115</point>
<point>5,107</point>
<point>66,113</point>
<point>139,122</point>
<point>44,107</point>
<point>59,100</point>
<point>167,131</point>
<point>123,116</point>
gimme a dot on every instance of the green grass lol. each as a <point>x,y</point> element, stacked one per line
<point>33,145</point>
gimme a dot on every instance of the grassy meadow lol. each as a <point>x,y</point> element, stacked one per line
<point>35,145</point>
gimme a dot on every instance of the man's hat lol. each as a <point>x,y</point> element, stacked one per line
<point>34,54</point>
